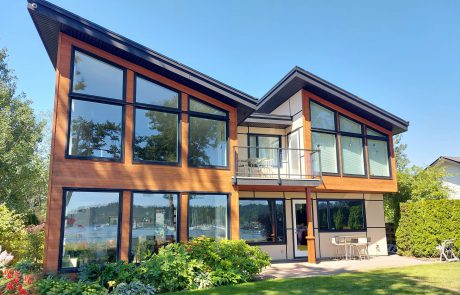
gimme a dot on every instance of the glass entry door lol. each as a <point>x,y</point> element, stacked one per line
<point>299,219</point>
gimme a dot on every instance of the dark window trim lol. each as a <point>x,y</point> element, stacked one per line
<point>387,140</point>
<point>63,208</point>
<point>104,60</point>
<point>211,117</point>
<point>328,108</point>
<point>178,215</point>
<point>122,136</point>
<point>276,225</point>
<point>364,229</point>
<point>363,144</point>
<point>229,223</point>
<point>179,139</point>
<point>153,106</point>
<point>338,173</point>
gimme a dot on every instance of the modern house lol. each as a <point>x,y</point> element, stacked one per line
<point>452,168</point>
<point>147,151</point>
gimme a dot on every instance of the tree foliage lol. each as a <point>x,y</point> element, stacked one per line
<point>414,183</point>
<point>23,170</point>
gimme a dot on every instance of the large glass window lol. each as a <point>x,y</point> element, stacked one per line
<point>341,215</point>
<point>265,147</point>
<point>326,143</point>
<point>352,144</point>
<point>208,137</point>
<point>324,136</point>
<point>378,157</point>
<point>208,216</point>
<point>95,130</point>
<point>92,76</point>
<point>262,221</point>
<point>154,223</point>
<point>91,224</point>
<point>156,132</point>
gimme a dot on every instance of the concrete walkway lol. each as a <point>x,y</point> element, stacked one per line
<point>298,269</point>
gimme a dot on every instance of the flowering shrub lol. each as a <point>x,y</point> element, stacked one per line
<point>5,258</point>
<point>14,282</point>
<point>35,237</point>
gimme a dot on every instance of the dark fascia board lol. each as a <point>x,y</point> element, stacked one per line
<point>299,78</point>
<point>267,121</point>
<point>50,19</point>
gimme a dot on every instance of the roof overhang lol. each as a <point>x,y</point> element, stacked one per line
<point>299,78</point>
<point>444,159</point>
<point>50,20</point>
<point>267,121</point>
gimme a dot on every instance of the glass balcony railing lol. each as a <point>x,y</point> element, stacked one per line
<point>282,166</point>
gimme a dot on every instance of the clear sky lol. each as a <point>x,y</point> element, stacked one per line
<point>403,56</point>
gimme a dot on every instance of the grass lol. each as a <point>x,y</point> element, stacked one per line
<point>437,278</point>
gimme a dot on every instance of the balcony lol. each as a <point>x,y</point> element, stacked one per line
<point>276,166</point>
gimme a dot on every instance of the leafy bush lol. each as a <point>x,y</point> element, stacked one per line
<point>133,288</point>
<point>52,286</point>
<point>109,274</point>
<point>229,261</point>
<point>425,225</point>
<point>35,238</point>
<point>12,233</point>
<point>28,267</point>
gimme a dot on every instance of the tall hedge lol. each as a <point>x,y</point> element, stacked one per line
<point>426,224</point>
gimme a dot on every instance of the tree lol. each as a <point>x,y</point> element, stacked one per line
<point>414,183</point>
<point>23,170</point>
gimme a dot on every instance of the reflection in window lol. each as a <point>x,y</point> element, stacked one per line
<point>378,157</point>
<point>149,92</point>
<point>92,76</point>
<point>321,117</point>
<point>208,138</point>
<point>352,155</point>
<point>156,136</point>
<point>154,223</point>
<point>95,130</point>
<point>90,228</point>
<point>326,143</point>
<point>347,125</point>
<point>208,216</point>
<point>337,215</point>
<point>262,221</point>
<point>267,147</point>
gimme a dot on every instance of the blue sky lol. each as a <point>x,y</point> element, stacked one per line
<point>403,56</point>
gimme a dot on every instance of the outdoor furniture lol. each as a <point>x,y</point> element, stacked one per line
<point>446,250</point>
<point>360,247</point>
<point>339,245</point>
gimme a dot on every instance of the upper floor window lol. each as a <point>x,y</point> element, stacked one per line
<point>352,144</point>
<point>208,135</point>
<point>265,147</point>
<point>324,136</point>
<point>379,157</point>
<point>157,118</point>
<point>92,76</point>
<point>95,109</point>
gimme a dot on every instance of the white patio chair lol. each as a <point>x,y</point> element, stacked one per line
<point>360,247</point>
<point>446,250</point>
<point>339,245</point>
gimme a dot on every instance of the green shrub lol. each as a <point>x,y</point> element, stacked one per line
<point>28,267</point>
<point>108,275</point>
<point>62,286</point>
<point>35,241</point>
<point>133,288</point>
<point>12,233</point>
<point>229,261</point>
<point>425,225</point>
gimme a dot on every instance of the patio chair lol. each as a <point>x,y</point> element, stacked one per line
<point>360,247</point>
<point>339,245</point>
<point>446,250</point>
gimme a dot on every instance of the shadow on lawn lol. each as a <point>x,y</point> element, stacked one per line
<point>349,283</point>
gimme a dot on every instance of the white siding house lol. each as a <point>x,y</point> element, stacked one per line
<point>452,166</point>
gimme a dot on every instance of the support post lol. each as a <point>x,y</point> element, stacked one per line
<point>310,234</point>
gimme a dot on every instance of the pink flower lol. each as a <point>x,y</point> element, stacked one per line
<point>10,286</point>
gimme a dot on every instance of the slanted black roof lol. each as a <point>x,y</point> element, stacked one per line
<point>299,78</point>
<point>50,19</point>
<point>455,160</point>
<point>267,121</point>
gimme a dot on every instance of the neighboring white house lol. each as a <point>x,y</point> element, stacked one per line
<point>452,166</point>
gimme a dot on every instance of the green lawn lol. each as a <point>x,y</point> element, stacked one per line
<point>439,278</point>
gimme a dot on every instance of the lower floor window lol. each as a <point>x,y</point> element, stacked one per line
<point>262,221</point>
<point>208,216</point>
<point>90,224</point>
<point>154,223</point>
<point>337,215</point>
